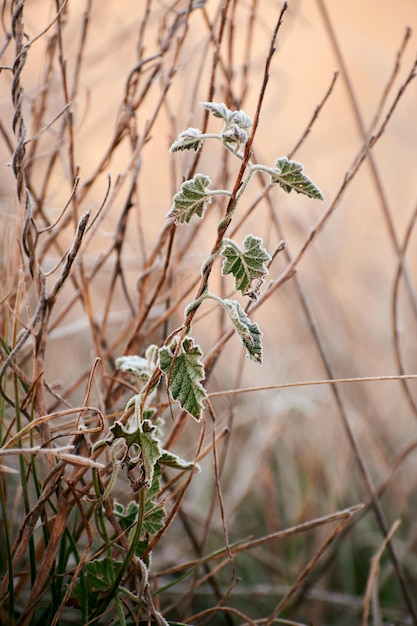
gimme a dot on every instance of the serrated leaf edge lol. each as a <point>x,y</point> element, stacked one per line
<point>276,177</point>
<point>243,254</point>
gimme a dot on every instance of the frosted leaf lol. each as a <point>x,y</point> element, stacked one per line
<point>184,375</point>
<point>190,139</point>
<point>248,331</point>
<point>245,263</point>
<point>289,175</point>
<point>235,122</point>
<point>191,199</point>
<point>142,447</point>
<point>218,109</point>
<point>172,460</point>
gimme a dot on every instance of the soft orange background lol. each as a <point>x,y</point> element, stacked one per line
<point>348,274</point>
<point>349,271</point>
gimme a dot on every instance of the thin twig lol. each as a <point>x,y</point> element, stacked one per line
<point>315,115</point>
<point>306,570</point>
<point>374,572</point>
<point>395,313</point>
<point>310,383</point>
<point>386,209</point>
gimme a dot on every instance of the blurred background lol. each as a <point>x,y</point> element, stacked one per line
<point>135,74</point>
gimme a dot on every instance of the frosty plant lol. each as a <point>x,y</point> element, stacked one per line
<point>180,358</point>
<point>134,439</point>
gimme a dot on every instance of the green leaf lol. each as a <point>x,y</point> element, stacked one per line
<point>154,511</point>
<point>234,134</point>
<point>289,175</point>
<point>184,375</point>
<point>142,447</point>
<point>99,576</point>
<point>191,199</point>
<point>248,331</point>
<point>245,264</point>
<point>190,139</point>
<point>172,460</point>
<point>141,367</point>
<point>218,109</point>
<point>154,515</point>
<point>235,122</point>
<point>150,452</point>
<point>242,119</point>
<point>100,573</point>
<point>132,364</point>
<point>126,515</point>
